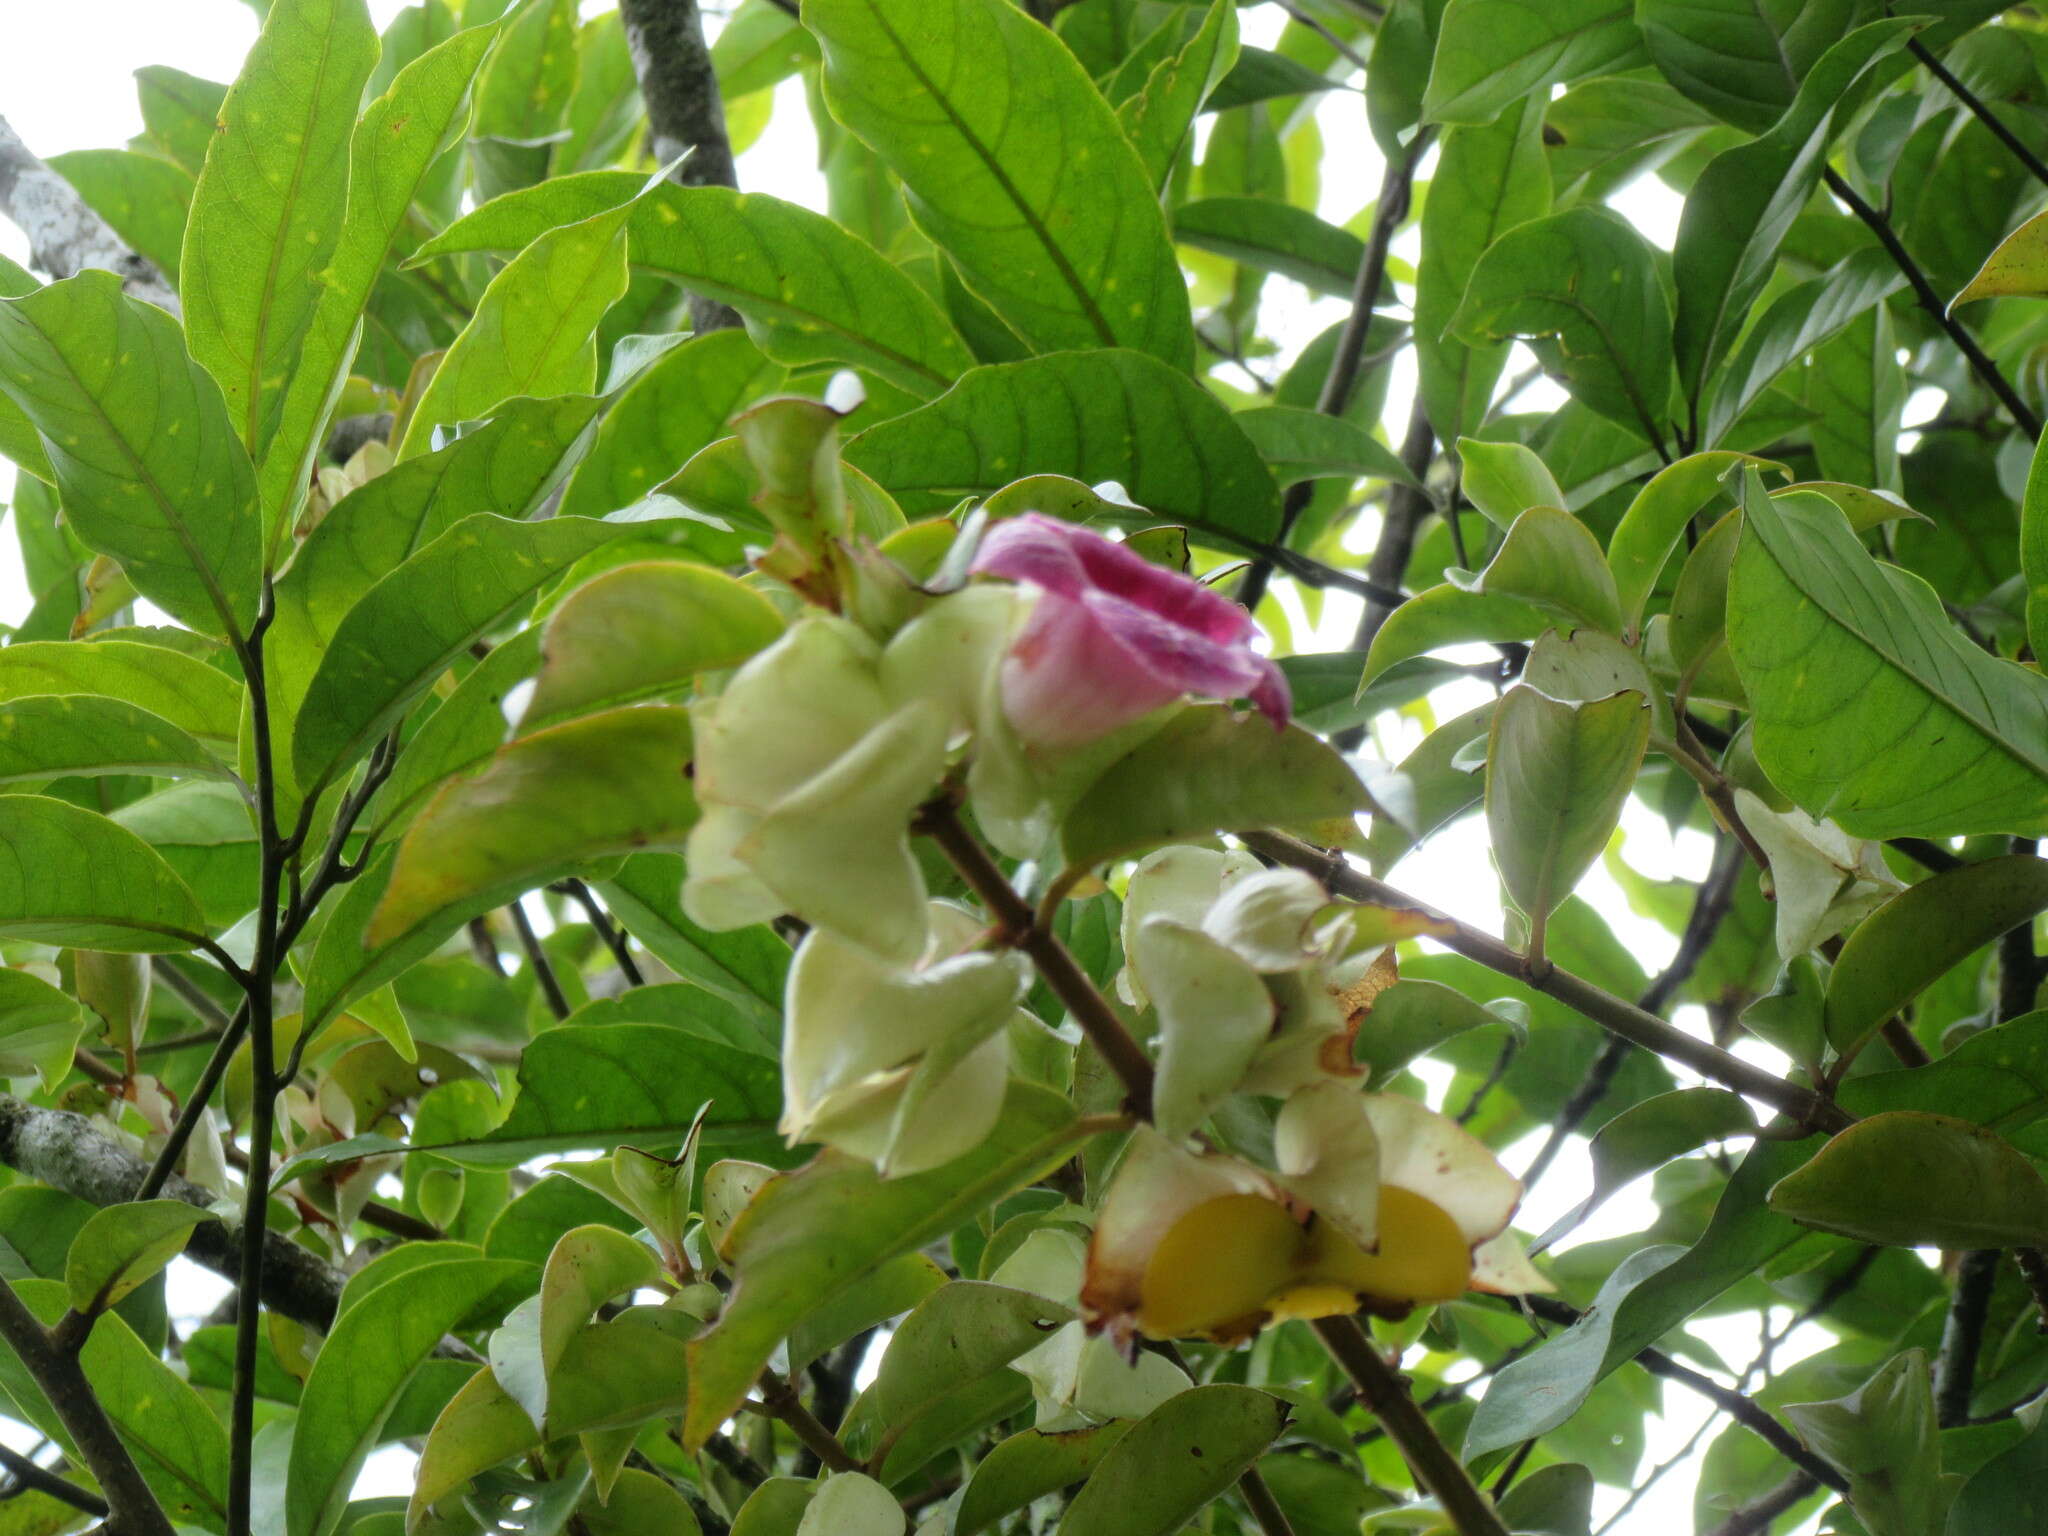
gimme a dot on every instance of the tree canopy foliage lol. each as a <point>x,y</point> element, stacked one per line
<point>743,864</point>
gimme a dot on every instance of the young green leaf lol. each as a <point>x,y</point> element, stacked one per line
<point>74,877</point>
<point>1657,519</point>
<point>588,1267</point>
<point>979,109</point>
<point>534,331</point>
<point>612,783</point>
<point>146,458</point>
<point>809,291</point>
<point>1449,615</point>
<point>39,1028</point>
<point>1174,448</point>
<point>124,1246</point>
<point>1583,288</point>
<point>361,1369</point>
<point>1159,118</point>
<point>407,628</point>
<point>269,204</point>
<point>1490,53</point>
<point>1557,775</point>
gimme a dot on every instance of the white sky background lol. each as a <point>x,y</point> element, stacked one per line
<point>65,83</point>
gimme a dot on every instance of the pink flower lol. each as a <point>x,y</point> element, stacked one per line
<point>1113,636</point>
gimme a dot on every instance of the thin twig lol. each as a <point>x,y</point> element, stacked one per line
<point>1962,1337</point>
<point>1397,186</point>
<point>29,1475</point>
<point>1616,1015</point>
<point>779,1399</point>
<point>543,968</point>
<point>1980,361</point>
<point>1752,1519</point>
<point>613,936</point>
<point>1981,110</point>
<point>1386,1394</point>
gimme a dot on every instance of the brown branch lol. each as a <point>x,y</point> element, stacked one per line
<point>613,936</point>
<point>1397,188</point>
<point>65,236</point>
<point>132,1508</point>
<point>685,112</point>
<point>1019,928</point>
<point>779,1400</point>
<point>1962,1337</point>
<point>537,958</point>
<point>28,1475</point>
<point>1386,1394</point>
<point>1616,1015</point>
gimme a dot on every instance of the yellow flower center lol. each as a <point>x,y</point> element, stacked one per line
<point>1232,1263</point>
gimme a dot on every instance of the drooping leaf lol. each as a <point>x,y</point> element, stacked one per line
<point>1869,708</point>
<point>1490,53</point>
<point>390,156</point>
<point>1209,770</point>
<point>1092,416</point>
<point>269,204</point>
<point>611,783</point>
<point>641,630</point>
<point>125,1246</point>
<point>1557,775</point>
<point>74,877</point>
<point>406,629</point>
<point>810,1234</point>
<point>1488,180</point>
<point>809,291</point>
<point>146,458</point>
<point>977,107</point>
<point>1172,1462</point>
<point>1744,202</point>
<point>1448,615</point>
<point>1645,1136</point>
<point>1550,560</point>
<point>1582,286</point>
<point>365,1363</point>
<point>1911,940</point>
<point>534,330</point>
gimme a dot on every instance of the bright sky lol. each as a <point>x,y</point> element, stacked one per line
<point>65,83</point>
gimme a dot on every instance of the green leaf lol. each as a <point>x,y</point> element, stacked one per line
<point>979,109</point>
<point>461,736</point>
<point>1909,1180</point>
<point>640,1502</point>
<point>363,1366</point>
<point>1412,1018</point>
<point>810,1234</point>
<point>526,87</point>
<point>1657,519</point>
<point>269,204</point>
<point>1272,236</point>
<point>1160,118</point>
<point>534,330</point>
<point>1491,53</point>
<point>643,1084</point>
<point>392,151</point>
<point>1169,442</point>
<point>1550,560</point>
<point>588,1267</point>
<point>1557,775</point>
<point>746,967</point>
<point>1448,615</point>
<point>681,404</point>
<point>123,1247</point>
<point>2017,268</point>
<point>1583,288</point>
<point>145,457</point>
<point>1028,1466</point>
<point>181,112</point>
<point>1504,480</point>
<point>1168,1465</point>
<point>1741,61</point>
<point>1487,180</point>
<point>73,877</point>
<point>1209,770</point>
<point>1884,1435</point>
<point>2033,552</point>
<point>1913,939</point>
<point>205,831</point>
<point>145,199</point>
<point>1744,202</point>
<point>45,736</point>
<point>809,291</point>
<point>612,783</point>
<point>1303,445</point>
<point>2008,1493</point>
<point>959,1333</point>
<point>644,629</point>
<point>405,630</point>
<point>1869,709</point>
<point>1648,1135</point>
<point>39,1028</point>
<point>1260,74</point>
<point>891,1290</point>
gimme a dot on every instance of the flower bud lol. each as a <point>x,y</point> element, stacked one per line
<point>1112,637</point>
